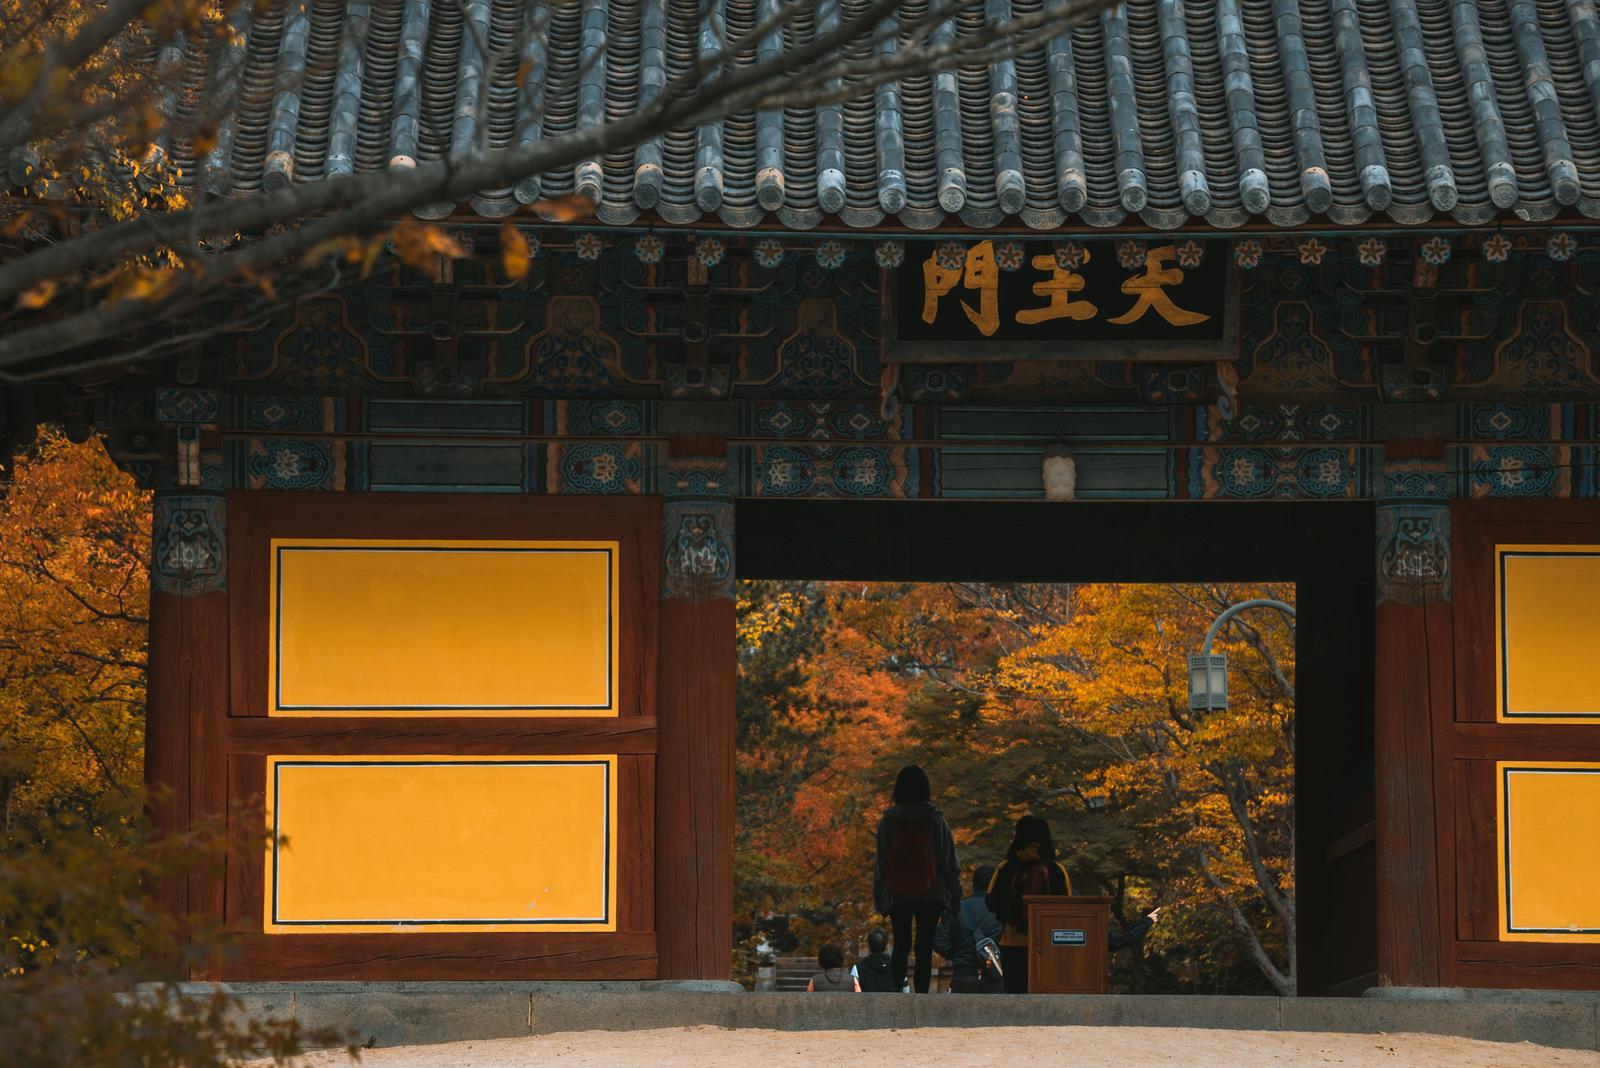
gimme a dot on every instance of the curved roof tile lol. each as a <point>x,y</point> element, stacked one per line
<point>1230,112</point>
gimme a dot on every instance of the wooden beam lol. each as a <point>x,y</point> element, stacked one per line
<point>1408,877</point>
<point>695,789</point>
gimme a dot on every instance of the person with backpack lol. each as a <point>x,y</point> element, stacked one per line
<point>875,972</point>
<point>916,877</point>
<point>959,937</point>
<point>832,979</point>
<point>1030,868</point>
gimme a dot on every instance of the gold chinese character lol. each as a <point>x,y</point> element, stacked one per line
<point>936,282</point>
<point>1058,290</point>
<point>1149,289</point>
<point>981,274</point>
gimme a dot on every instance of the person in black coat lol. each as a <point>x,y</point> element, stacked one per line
<point>1030,868</point>
<point>875,972</point>
<point>916,876</point>
<point>958,937</point>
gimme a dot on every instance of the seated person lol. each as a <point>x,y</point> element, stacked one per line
<point>832,978</point>
<point>874,973</point>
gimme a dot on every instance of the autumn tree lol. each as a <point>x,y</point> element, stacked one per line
<point>78,926</point>
<point>810,727</point>
<point>1069,702</point>
<point>1223,780</point>
<point>119,225</point>
<point>74,594</point>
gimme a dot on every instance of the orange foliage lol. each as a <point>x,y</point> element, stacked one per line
<point>1066,701</point>
<point>74,593</point>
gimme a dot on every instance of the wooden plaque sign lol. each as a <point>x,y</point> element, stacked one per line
<point>1068,944</point>
<point>1097,300</point>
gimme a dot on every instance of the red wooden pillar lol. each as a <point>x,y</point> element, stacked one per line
<point>695,761</point>
<point>188,681</point>
<point>1413,676</point>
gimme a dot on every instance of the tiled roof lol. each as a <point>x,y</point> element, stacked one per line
<point>1235,112</point>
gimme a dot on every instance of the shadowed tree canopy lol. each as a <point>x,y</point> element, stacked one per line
<point>126,232</point>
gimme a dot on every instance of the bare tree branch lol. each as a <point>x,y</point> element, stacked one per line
<point>833,66</point>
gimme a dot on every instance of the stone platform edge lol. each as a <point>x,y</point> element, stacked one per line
<point>424,1013</point>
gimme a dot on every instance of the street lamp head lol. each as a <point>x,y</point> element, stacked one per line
<point>1208,682</point>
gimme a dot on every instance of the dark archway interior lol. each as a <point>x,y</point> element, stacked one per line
<point>1325,548</point>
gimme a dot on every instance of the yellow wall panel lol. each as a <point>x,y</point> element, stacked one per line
<point>1546,632</point>
<point>1548,817</point>
<point>373,843</point>
<point>445,628</point>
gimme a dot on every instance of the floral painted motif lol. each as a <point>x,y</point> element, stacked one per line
<point>595,467</point>
<point>1497,249</point>
<point>1131,254</point>
<point>1312,251</point>
<point>1324,473</point>
<point>1436,250</point>
<point>1190,253</point>
<point>1515,471</point>
<point>1069,255</point>
<point>293,465</point>
<point>709,251</point>
<point>1561,247</point>
<point>649,248</point>
<point>532,238</point>
<point>1372,252</point>
<point>890,253</point>
<point>769,252</point>
<point>1008,254</point>
<point>588,246</point>
<point>861,472</point>
<point>1247,254</point>
<point>831,254</point>
<point>785,472</point>
<point>951,255</point>
<point>1246,472</point>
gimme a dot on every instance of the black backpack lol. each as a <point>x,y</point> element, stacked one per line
<point>1030,881</point>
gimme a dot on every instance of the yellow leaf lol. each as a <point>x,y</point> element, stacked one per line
<point>568,208</point>
<point>141,283</point>
<point>514,254</point>
<point>333,246</point>
<point>15,226</point>
<point>37,295</point>
<point>418,243</point>
<point>370,256</point>
<point>444,244</point>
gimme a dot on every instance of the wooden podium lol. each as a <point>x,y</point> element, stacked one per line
<point>1068,944</point>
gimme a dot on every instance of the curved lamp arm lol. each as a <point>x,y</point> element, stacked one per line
<point>1228,613</point>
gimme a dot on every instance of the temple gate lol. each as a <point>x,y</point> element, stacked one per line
<point>444,560</point>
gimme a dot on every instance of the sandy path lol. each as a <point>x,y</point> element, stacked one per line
<point>1065,1047</point>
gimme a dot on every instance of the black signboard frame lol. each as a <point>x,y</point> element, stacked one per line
<point>939,345</point>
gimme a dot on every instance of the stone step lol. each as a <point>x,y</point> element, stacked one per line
<point>413,1013</point>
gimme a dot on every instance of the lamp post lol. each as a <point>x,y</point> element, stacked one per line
<point>1208,671</point>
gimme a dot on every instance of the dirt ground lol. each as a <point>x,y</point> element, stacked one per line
<point>1069,1047</point>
